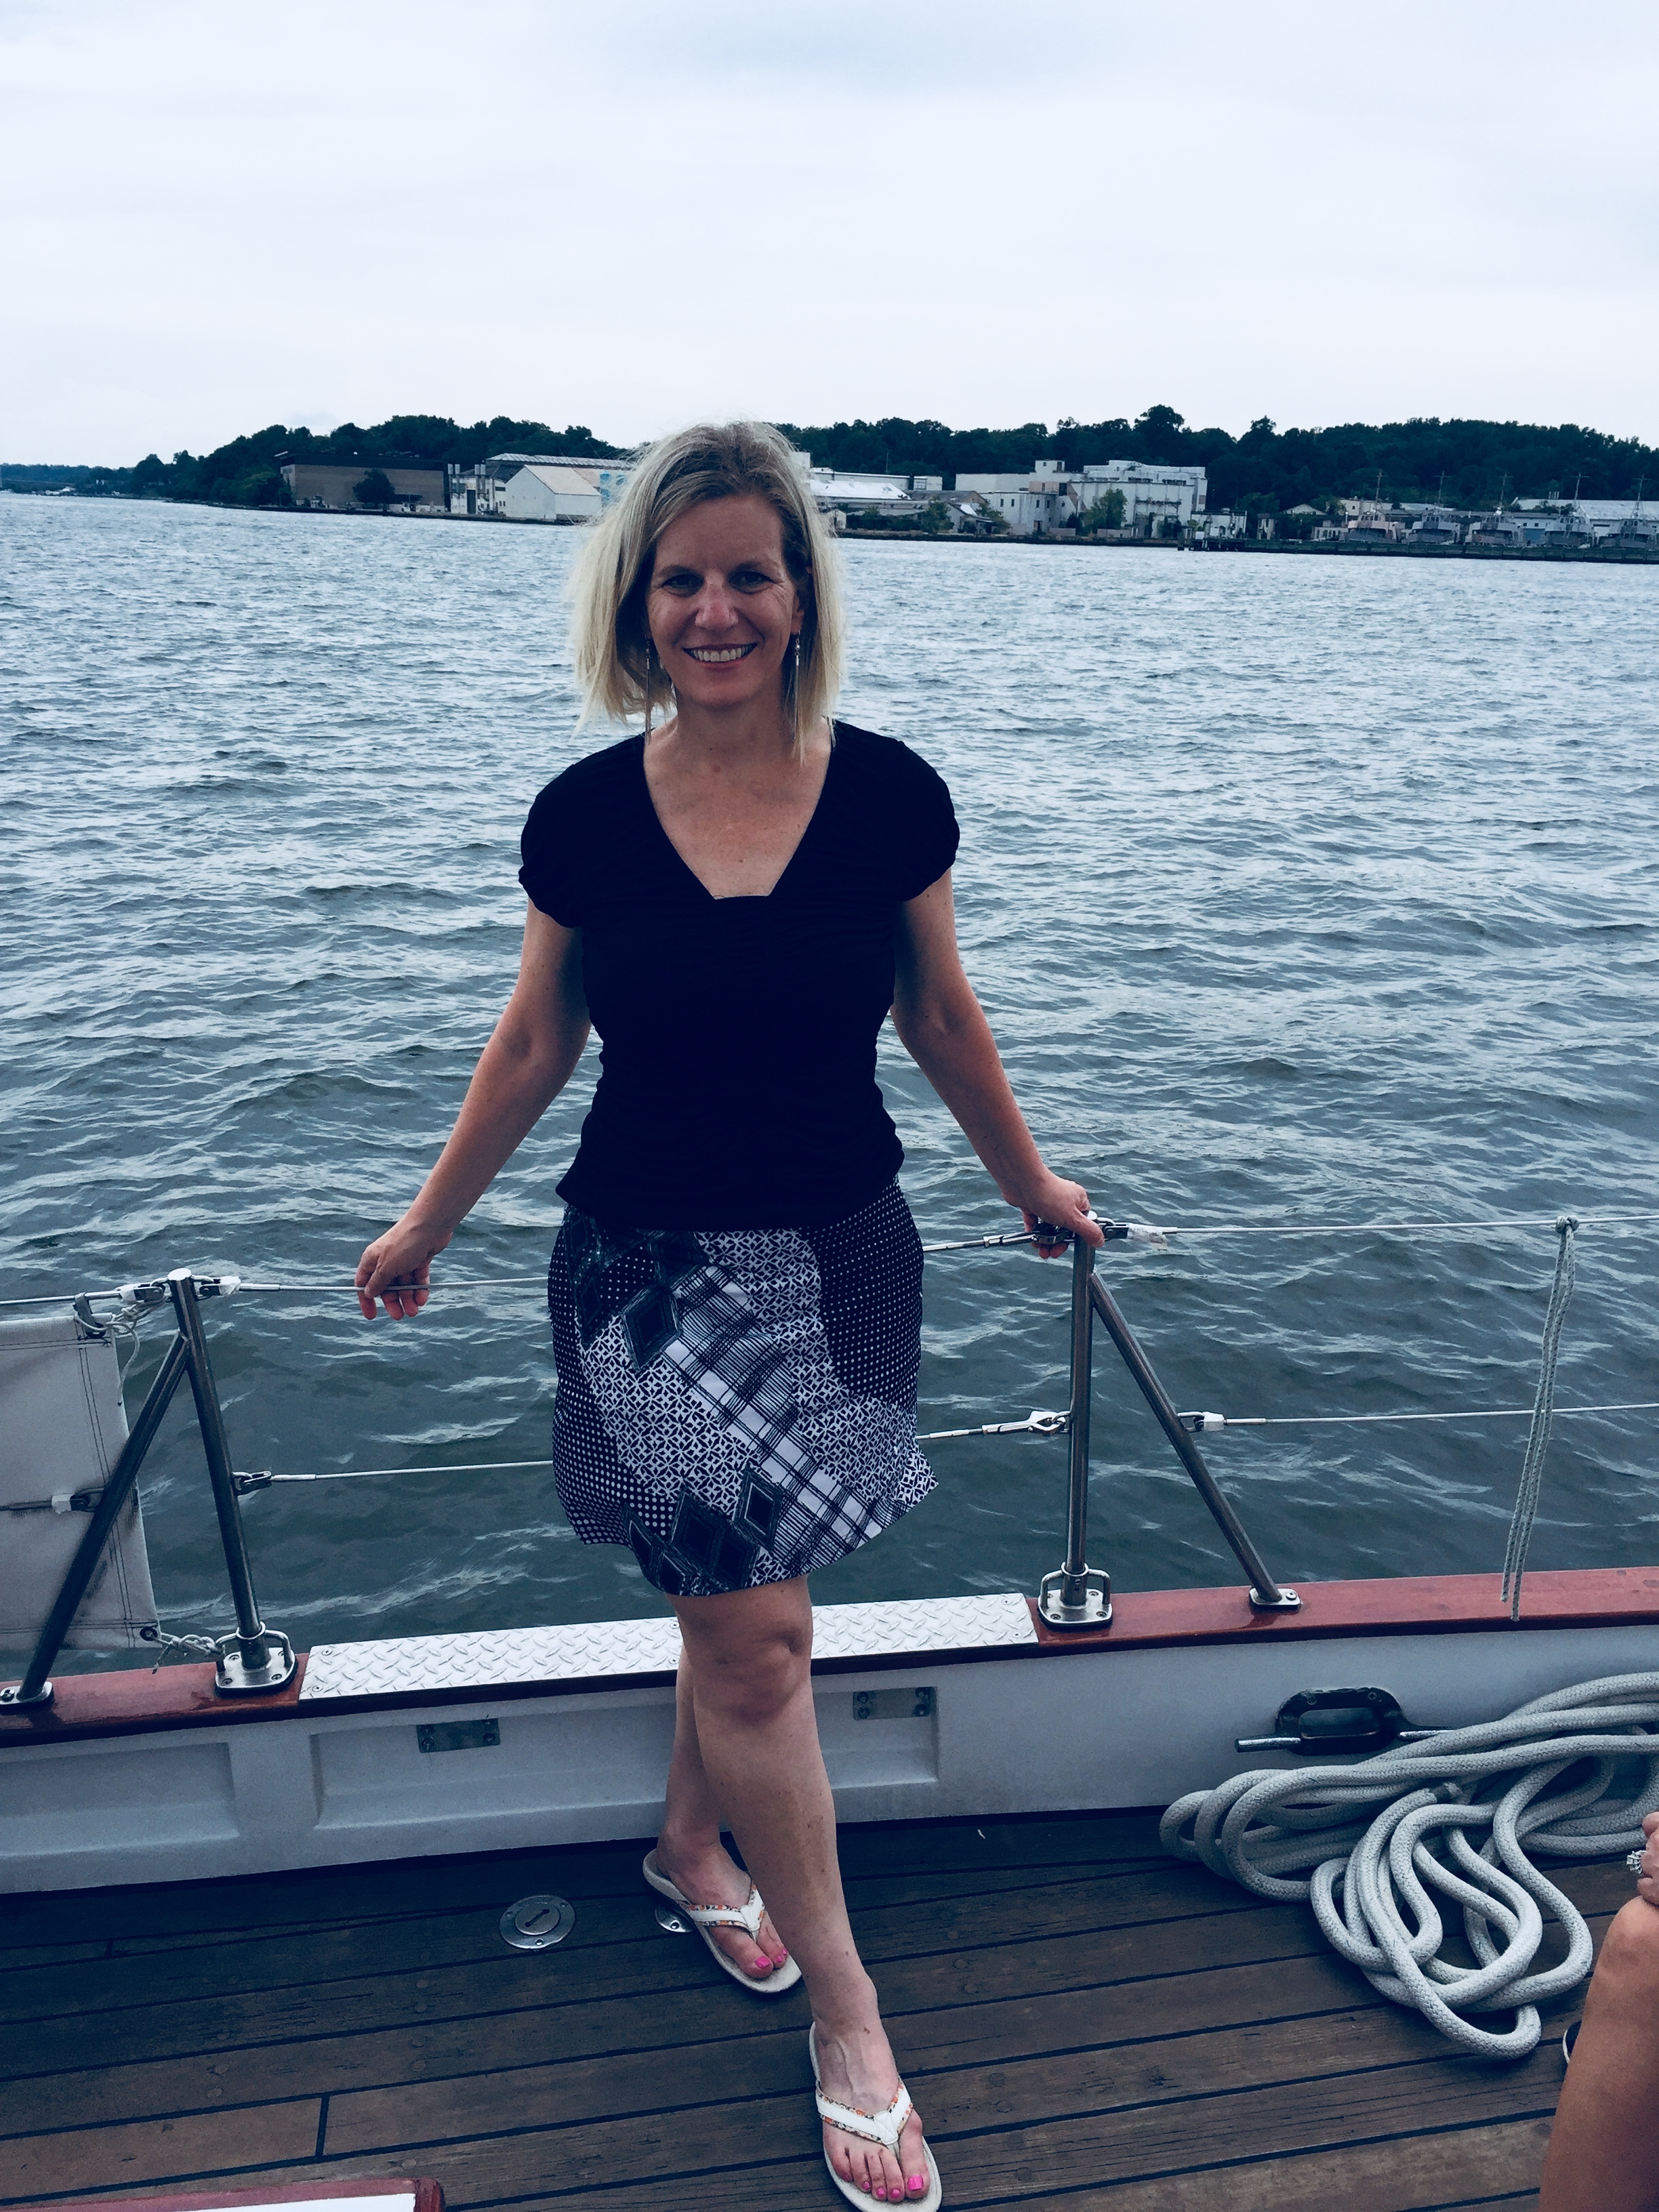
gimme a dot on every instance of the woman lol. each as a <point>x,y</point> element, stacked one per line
<point>736,898</point>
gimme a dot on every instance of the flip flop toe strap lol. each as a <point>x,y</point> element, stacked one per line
<point>883,2128</point>
<point>747,1916</point>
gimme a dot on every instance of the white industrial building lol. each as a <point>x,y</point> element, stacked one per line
<point>536,487</point>
<point>542,491</point>
<point>1153,491</point>
<point>1049,496</point>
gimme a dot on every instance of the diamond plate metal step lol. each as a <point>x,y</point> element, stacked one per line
<point>617,1649</point>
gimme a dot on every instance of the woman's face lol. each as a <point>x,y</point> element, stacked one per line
<point>723,609</point>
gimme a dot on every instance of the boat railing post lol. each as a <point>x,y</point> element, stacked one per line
<point>255,1657</point>
<point>1077,1596</point>
<point>1265,1595</point>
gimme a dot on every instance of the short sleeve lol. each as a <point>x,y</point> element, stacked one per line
<point>929,845</point>
<point>548,848</point>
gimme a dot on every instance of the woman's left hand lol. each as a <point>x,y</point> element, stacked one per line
<point>1049,1202</point>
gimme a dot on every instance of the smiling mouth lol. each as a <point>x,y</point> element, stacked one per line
<point>716,656</point>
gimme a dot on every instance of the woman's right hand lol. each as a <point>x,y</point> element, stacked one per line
<point>398,1267</point>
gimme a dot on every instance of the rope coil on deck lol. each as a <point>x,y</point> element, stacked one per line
<point>1383,1836</point>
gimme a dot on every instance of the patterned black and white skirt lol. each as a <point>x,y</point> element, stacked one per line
<point>738,1405</point>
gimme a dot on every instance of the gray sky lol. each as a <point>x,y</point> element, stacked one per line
<point>218,214</point>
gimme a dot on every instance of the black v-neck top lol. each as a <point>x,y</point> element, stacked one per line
<point>737,1086</point>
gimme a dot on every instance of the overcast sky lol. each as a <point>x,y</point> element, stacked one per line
<point>219,214</point>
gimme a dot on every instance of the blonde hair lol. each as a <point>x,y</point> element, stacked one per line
<point>616,662</point>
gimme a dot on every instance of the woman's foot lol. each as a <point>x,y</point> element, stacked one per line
<point>856,2068</point>
<point>707,1874</point>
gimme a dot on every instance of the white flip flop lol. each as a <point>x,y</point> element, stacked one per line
<point>883,2128</point>
<point>706,1917</point>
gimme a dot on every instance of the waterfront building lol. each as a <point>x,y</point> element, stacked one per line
<point>491,487</point>
<point>1155,493</point>
<point>418,486</point>
<point>1049,496</point>
<point>543,491</point>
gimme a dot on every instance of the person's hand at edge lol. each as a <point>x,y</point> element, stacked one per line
<point>398,1267</point>
<point>1050,1202</point>
<point>1647,1882</point>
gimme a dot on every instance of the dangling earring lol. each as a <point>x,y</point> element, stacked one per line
<point>650,685</point>
<point>794,691</point>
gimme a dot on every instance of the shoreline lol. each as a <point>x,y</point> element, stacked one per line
<point>1583,555</point>
<point>1594,556</point>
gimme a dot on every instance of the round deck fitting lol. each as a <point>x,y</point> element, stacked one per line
<point>1092,1606</point>
<point>672,1921</point>
<point>233,1676</point>
<point>536,1923</point>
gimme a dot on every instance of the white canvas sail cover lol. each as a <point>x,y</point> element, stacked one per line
<point>62,1427</point>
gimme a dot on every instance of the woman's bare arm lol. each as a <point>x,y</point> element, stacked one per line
<point>527,1062</point>
<point>942,1027</point>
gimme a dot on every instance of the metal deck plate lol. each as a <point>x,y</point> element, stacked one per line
<point>617,1649</point>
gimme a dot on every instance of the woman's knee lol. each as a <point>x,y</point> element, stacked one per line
<point>750,1653</point>
<point>1627,1971</point>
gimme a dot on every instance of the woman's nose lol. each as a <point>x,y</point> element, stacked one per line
<point>716,607</point>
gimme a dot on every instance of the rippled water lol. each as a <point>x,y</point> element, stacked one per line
<point>1295,888</point>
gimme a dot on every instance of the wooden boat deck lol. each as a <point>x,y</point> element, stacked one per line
<point>1084,2026</point>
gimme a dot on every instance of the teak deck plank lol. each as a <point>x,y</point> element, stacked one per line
<point>1476,2167</point>
<point>983,2034</point>
<point>273,1964</point>
<point>652,1968</point>
<point>1090,2026</point>
<point>146,2151</point>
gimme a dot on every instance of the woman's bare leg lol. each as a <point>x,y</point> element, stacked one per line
<point>749,1658</point>
<point>689,1850</point>
<point>1604,2149</point>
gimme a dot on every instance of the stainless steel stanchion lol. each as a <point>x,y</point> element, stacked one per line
<point>256,1657</point>
<point>1266,1596</point>
<point>1077,1596</point>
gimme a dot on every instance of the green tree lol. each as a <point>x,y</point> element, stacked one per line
<point>373,490</point>
<point>1104,514</point>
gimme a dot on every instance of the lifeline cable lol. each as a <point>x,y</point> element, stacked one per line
<point>1131,1233</point>
<point>1381,1835</point>
<point>1202,1423</point>
<point>1037,1424</point>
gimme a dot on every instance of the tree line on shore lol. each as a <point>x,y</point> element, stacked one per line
<point>1467,464</point>
<point>245,472</point>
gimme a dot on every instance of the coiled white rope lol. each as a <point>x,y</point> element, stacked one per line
<point>1382,1836</point>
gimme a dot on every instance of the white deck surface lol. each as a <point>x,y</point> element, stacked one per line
<point>609,1649</point>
